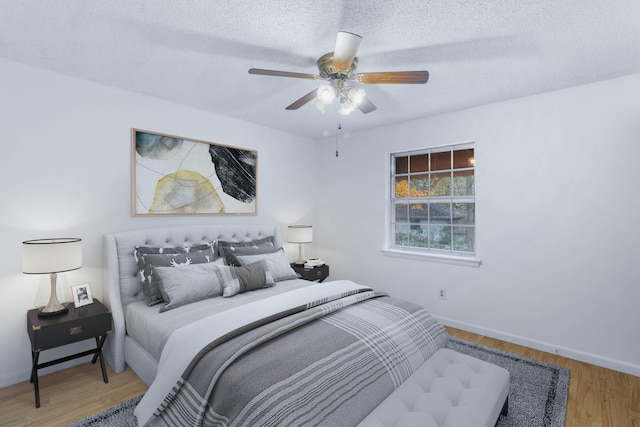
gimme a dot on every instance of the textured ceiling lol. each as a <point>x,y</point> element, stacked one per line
<point>197,52</point>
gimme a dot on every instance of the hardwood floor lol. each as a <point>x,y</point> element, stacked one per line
<point>598,397</point>
<point>67,396</point>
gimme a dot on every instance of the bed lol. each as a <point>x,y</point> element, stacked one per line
<point>227,335</point>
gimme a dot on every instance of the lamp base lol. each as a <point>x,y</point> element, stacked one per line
<point>299,261</point>
<point>53,307</point>
<point>60,312</point>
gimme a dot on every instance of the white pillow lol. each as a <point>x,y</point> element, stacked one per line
<point>277,264</point>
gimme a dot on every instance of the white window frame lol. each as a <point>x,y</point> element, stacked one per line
<point>390,249</point>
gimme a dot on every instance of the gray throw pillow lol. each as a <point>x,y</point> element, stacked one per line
<point>236,280</point>
<point>189,283</point>
<point>227,249</point>
<point>276,262</point>
<point>149,285</point>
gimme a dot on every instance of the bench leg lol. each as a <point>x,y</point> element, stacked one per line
<point>505,410</point>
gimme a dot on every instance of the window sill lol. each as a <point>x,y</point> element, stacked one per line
<point>469,261</point>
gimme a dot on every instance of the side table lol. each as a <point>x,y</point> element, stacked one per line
<point>86,322</point>
<point>318,273</point>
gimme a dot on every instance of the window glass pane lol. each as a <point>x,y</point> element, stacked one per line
<point>402,235</point>
<point>402,164</point>
<point>441,184</point>
<point>433,200</point>
<point>440,237</point>
<point>419,185</point>
<point>419,236</point>
<point>441,161</point>
<point>418,213</point>
<point>463,239</point>
<point>463,183</point>
<point>401,213</point>
<point>440,213</point>
<point>464,213</point>
<point>419,163</point>
<point>463,159</point>
<point>402,187</point>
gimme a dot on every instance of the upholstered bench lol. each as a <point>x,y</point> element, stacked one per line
<point>449,390</point>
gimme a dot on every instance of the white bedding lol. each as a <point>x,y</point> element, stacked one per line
<point>187,341</point>
<point>152,329</point>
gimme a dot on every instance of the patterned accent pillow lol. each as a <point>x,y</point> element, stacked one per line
<point>227,249</point>
<point>205,253</point>
<point>236,280</point>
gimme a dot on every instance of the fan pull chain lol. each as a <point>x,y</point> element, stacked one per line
<point>337,136</point>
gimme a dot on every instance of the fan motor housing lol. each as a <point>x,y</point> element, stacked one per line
<point>328,71</point>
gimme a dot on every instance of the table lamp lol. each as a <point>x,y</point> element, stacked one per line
<point>300,234</point>
<point>51,256</point>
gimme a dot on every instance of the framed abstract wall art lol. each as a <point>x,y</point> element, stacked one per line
<point>173,175</point>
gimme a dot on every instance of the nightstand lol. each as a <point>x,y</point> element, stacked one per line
<point>316,273</point>
<point>82,323</point>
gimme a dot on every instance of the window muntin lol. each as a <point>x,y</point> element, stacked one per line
<point>433,200</point>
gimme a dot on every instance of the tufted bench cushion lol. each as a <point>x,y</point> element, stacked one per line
<point>449,390</point>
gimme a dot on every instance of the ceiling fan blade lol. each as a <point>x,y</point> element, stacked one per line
<point>394,77</point>
<point>283,74</point>
<point>300,102</point>
<point>346,47</point>
<point>366,106</point>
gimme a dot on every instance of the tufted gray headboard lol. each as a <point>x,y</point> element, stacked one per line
<point>122,281</point>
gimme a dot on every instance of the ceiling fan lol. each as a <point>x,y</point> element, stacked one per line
<point>338,68</point>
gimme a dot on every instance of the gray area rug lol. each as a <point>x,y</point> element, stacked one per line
<point>538,391</point>
<point>537,396</point>
<point>120,415</point>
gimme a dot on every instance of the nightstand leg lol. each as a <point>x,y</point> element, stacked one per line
<point>34,375</point>
<point>95,355</point>
<point>98,354</point>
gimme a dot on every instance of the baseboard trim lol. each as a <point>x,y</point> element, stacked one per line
<point>26,375</point>
<point>594,359</point>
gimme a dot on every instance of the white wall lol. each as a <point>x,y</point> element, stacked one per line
<point>66,172</point>
<point>556,206</point>
<point>557,211</point>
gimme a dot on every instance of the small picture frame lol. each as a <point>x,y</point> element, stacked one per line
<point>81,295</point>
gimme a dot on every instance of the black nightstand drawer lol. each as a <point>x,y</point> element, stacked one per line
<point>317,273</point>
<point>79,324</point>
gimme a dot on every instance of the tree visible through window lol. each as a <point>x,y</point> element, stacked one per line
<point>433,200</point>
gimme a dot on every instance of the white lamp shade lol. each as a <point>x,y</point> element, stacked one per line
<point>300,234</point>
<point>44,256</point>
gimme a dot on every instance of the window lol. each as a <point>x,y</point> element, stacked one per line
<point>432,201</point>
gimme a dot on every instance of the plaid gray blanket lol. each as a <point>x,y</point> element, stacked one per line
<point>327,363</point>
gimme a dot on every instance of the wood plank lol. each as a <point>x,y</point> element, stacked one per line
<point>67,396</point>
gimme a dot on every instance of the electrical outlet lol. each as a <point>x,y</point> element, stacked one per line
<point>442,294</point>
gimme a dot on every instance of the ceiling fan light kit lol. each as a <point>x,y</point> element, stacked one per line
<point>338,67</point>
<point>355,95</point>
<point>325,94</point>
<point>349,97</point>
